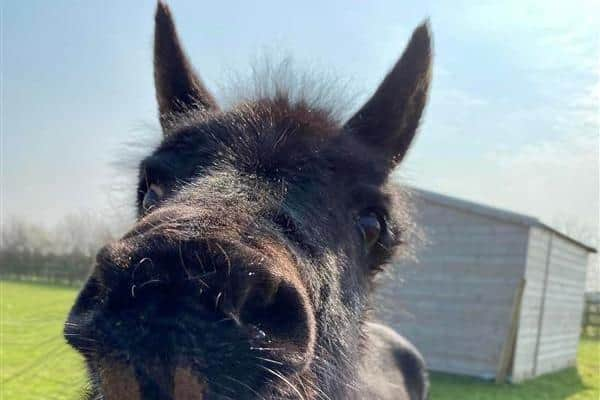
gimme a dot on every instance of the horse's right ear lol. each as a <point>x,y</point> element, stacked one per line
<point>178,88</point>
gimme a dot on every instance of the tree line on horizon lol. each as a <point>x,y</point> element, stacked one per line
<point>63,253</point>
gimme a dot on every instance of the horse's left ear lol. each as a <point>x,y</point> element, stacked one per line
<point>178,88</point>
<point>389,120</point>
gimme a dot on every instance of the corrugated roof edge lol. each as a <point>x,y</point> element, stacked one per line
<point>492,212</point>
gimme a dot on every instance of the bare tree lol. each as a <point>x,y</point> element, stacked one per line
<point>21,236</point>
<point>81,233</point>
<point>64,253</point>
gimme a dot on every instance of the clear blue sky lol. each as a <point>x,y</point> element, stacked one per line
<point>513,118</point>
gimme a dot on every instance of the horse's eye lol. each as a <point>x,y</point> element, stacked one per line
<point>152,197</point>
<point>370,226</point>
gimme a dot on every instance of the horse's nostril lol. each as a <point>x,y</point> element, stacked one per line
<point>278,312</point>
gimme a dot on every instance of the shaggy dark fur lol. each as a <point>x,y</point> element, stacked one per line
<point>249,271</point>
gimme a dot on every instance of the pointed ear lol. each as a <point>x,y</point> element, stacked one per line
<point>178,88</point>
<point>389,119</point>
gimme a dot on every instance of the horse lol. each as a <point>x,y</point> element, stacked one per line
<point>260,230</point>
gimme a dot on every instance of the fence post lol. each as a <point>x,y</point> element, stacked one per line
<point>590,326</point>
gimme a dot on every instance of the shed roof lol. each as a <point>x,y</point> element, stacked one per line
<point>493,212</point>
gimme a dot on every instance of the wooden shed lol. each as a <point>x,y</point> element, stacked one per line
<point>491,294</point>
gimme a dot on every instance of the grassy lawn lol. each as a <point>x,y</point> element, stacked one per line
<point>582,383</point>
<point>35,363</point>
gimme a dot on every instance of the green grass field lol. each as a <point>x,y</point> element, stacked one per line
<point>35,363</point>
<point>582,383</point>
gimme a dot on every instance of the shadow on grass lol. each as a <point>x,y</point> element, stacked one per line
<point>556,386</point>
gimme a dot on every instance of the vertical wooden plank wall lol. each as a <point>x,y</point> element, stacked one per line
<point>455,303</point>
<point>564,300</point>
